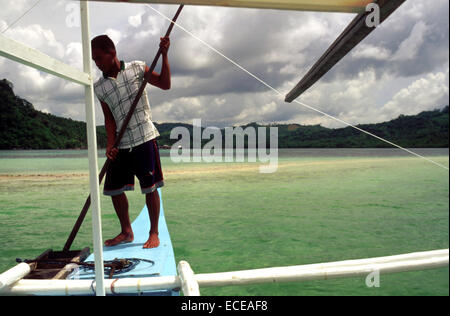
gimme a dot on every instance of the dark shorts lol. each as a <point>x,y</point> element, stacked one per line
<point>142,161</point>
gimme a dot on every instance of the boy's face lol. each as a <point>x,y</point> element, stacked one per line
<point>104,60</point>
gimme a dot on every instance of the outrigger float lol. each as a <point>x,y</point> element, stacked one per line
<point>128,269</point>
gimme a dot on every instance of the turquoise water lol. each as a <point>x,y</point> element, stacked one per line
<point>320,206</point>
<point>282,152</point>
<point>48,161</point>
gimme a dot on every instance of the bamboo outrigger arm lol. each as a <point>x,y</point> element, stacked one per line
<point>355,32</point>
<point>191,282</point>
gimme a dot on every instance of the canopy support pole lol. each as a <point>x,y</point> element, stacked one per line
<point>92,152</point>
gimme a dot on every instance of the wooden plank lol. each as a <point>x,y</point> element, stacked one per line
<point>44,267</point>
<point>68,268</point>
<point>355,32</point>
<point>349,6</point>
<point>70,255</point>
<point>45,254</point>
<point>26,55</point>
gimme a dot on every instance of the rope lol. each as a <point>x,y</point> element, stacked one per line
<point>20,17</point>
<point>283,95</point>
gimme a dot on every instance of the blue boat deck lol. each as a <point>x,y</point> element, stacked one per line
<point>158,261</point>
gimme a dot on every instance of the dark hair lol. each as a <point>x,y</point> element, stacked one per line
<point>103,42</point>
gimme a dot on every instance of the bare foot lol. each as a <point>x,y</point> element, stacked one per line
<point>119,239</point>
<point>152,242</point>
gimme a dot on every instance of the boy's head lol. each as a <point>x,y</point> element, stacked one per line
<point>103,52</point>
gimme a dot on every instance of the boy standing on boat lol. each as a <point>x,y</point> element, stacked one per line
<point>138,150</point>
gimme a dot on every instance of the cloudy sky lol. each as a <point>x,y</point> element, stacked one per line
<point>401,68</point>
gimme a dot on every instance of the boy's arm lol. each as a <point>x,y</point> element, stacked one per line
<point>110,125</point>
<point>161,80</point>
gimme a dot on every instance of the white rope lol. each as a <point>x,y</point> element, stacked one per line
<point>282,95</point>
<point>20,17</point>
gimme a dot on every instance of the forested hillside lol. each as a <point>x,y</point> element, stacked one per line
<point>22,126</point>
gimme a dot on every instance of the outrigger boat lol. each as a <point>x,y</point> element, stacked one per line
<point>129,269</point>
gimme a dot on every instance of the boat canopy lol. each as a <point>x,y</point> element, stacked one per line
<point>349,6</point>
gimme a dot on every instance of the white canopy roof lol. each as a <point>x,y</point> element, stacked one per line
<point>350,6</point>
